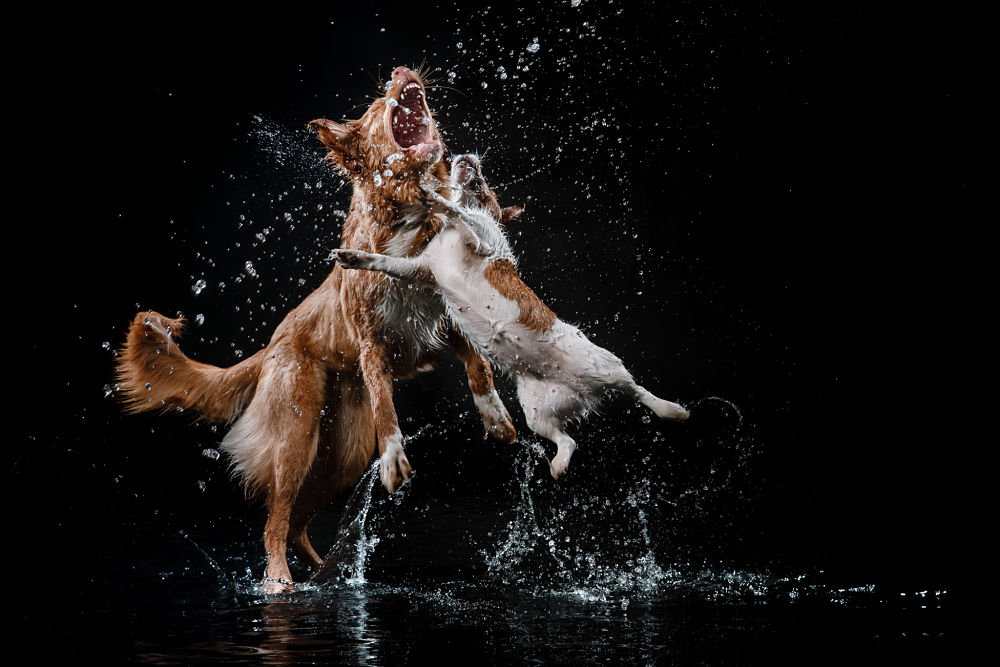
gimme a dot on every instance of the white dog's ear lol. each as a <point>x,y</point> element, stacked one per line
<point>510,213</point>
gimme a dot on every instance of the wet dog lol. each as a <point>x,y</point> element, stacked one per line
<point>310,407</point>
<point>560,374</point>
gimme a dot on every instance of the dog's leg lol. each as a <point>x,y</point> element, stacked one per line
<point>663,409</point>
<point>549,427</point>
<point>546,406</point>
<point>619,378</point>
<point>404,268</point>
<point>347,442</point>
<point>496,419</point>
<point>394,468</point>
<point>286,417</point>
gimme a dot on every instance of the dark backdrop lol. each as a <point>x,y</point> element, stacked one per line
<point>747,202</point>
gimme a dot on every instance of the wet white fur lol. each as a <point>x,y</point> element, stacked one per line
<point>560,374</point>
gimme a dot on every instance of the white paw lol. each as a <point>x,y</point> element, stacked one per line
<point>558,466</point>
<point>351,259</point>
<point>394,468</point>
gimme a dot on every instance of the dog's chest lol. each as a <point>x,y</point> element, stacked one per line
<point>415,314</point>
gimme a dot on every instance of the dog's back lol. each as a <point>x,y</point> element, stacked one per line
<point>561,375</point>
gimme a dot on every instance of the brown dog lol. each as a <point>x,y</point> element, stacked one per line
<point>313,403</point>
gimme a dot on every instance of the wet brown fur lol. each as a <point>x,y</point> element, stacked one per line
<point>315,401</point>
<point>534,314</point>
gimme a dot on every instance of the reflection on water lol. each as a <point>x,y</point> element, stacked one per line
<point>701,620</point>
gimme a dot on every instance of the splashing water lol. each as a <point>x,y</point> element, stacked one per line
<point>346,560</point>
<point>729,404</point>
<point>555,551</point>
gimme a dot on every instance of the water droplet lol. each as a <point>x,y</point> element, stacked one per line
<point>534,46</point>
<point>212,454</point>
<point>199,319</point>
<point>148,386</point>
<point>197,288</point>
<point>392,103</point>
<point>202,485</point>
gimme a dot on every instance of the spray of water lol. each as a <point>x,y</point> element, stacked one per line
<point>346,560</point>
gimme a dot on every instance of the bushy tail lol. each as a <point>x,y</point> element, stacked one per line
<point>153,374</point>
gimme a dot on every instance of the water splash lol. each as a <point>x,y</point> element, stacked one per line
<point>347,559</point>
<point>557,550</point>
<point>729,404</point>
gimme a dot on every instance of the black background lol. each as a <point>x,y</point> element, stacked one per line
<point>793,180</point>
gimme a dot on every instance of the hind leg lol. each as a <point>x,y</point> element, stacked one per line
<point>618,377</point>
<point>274,444</point>
<point>547,405</point>
<point>663,409</point>
<point>347,445</point>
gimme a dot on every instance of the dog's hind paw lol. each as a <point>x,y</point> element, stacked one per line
<point>275,586</point>
<point>558,466</point>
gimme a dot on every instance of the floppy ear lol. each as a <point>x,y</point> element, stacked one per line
<point>337,137</point>
<point>510,213</point>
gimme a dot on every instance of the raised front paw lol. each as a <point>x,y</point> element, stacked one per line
<point>351,259</point>
<point>393,469</point>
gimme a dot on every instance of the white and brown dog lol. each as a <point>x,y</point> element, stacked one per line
<point>561,375</point>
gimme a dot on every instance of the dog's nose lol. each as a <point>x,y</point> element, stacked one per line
<point>399,71</point>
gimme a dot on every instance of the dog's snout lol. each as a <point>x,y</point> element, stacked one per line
<point>400,71</point>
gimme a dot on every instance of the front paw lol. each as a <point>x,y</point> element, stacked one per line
<point>394,469</point>
<point>350,259</point>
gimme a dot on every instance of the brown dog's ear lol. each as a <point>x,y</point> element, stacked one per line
<point>337,137</point>
<point>510,213</point>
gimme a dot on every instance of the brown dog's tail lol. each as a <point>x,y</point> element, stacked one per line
<point>153,374</point>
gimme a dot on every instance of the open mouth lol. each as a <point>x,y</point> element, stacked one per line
<point>411,122</point>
